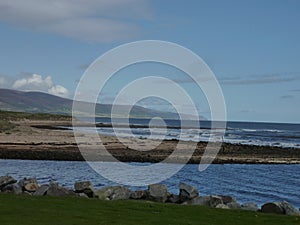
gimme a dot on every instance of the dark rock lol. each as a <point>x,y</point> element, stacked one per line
<point>113,193</point>
<point>273,207</point>
<point>227,199</point>
<point>12,188</point>
<point>139,194</point>
<point>234,205</point>
<point>6,180</point>
<point>158,192</point>
<point>210,201</point>
<point>289,209</point>
<point>215,200</point>
<point>187,192</point>
<point>250,206</point>
<point>173,198</point>
<point>56,190</point>
<point>42,190</point>
<point>85,187</point>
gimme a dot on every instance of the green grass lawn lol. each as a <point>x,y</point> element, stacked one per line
<point>23,210</point>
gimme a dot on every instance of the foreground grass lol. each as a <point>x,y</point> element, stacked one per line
<point>23,210</point>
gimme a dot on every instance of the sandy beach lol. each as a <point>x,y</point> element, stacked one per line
<point>42,140</point>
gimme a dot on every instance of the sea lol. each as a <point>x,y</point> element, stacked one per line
<point>249,133</point>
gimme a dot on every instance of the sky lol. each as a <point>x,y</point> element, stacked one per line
<point>252,47</point>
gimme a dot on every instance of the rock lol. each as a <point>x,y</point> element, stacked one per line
<point>56,190</point>
<point>215,200</point>
<point>201,200</point>
<point>173,199</point>
<point>234,205</point>
<point>272,207</point>
<point>113,193</point>
<point>42,190</point>
<point>139,194</point>
<point>250,206</point>
<point>289,209</point>
<point>12,188</point>
<point>158,192</point>
<point>85,187</point>
<point>6,180</point>
<point>222,206</point>
<point>227,199</point>
<point>31,187</point>
<point>187,192</point>
<point>25,181</point>
<point>82,195</point>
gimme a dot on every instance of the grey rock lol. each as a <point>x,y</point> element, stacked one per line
<point>234,205</point>
<point>273,207</point>
<point>227,199</point>
<point>82,195</point>
<point>42,190</point>
<point>158,192</point>
<point>139,194</point>
<point>12,188</point>
<point>172,198</point>
<point>201,200</point>
<point>250,206</point>
<point>222,206</point>
<point>289,209</point>
<point>113,193</point>
<point>85,187</point>
<point>215,200</point>
<point>187,192</point>
<point>56,190</point>
<point>6,180</point>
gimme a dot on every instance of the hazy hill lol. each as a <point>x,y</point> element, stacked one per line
<point>12,100</point>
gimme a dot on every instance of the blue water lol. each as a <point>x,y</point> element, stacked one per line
<point>257,183</point>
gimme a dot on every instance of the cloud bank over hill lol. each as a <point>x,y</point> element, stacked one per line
<point>34,82</point>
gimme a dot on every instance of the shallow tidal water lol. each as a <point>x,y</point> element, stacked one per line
<point>251,182</point>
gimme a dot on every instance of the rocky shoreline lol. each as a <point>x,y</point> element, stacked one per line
<point>45,140</point>
<point>188,195</point>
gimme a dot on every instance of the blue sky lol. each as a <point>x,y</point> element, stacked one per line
<point>252,47</point>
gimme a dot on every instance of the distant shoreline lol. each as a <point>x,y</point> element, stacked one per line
<point>41,140</point>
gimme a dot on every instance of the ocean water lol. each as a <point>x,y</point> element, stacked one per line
<point>256,183</point>
<point>249,133</point>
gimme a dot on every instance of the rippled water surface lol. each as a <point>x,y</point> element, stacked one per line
<point>257,183</point>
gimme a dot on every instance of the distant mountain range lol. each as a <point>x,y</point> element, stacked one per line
<point>39,102</point>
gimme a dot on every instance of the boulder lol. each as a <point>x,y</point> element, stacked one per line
<point>250,206</point>
<point>289,209</point>
<point>222,206</point>
<point>215,200</point>
<point>227,199</point>
<point>23,182</point>
<point>234,205</point>
<point>42,190</point>
<point>56,190</point>
<point>172,198</point>
<point>113,193</point>
<point>12,188</point>
<point>139,194</point>
<point>187,192</point>
<point>82,195</point>
<point>158,192</point>
<point>84,187</point>
<point>272,207</point>
<point>31,187</point>
<point>6,180</point>
<point>201,200</point>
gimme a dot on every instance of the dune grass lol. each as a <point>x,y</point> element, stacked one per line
<point>23,210</point>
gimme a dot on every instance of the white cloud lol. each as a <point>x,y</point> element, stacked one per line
<point>35,82</point>
<point>93,20</point>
